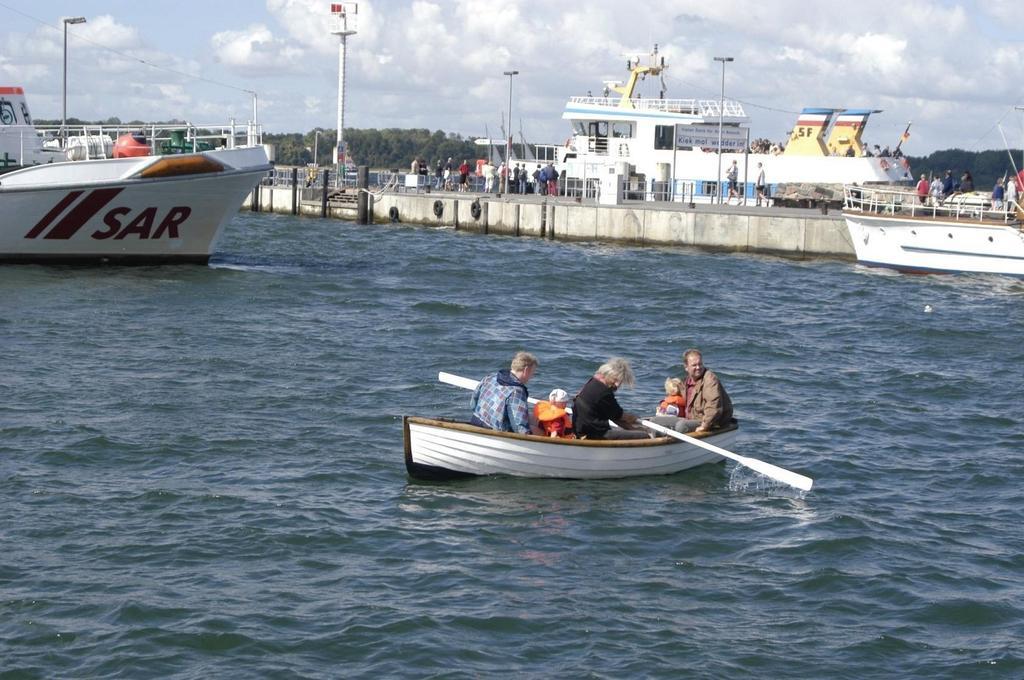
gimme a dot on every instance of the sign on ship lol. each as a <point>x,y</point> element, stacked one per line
<point>706,137</point>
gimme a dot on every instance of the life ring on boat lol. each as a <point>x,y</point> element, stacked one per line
<point>438,208</point>
<point>393,213</point>
<point>474,209</point>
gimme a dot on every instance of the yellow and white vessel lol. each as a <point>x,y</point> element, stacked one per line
<point>670,146</point>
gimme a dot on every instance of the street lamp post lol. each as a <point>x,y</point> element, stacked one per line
<point>721,114</point>
<point>64,114</point>
<point>508,141</point>
<point>316,143</point>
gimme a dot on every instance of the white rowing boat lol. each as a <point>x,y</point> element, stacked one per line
<point>445,449</point>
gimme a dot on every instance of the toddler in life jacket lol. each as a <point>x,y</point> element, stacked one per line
<point>674,403</point>
<point>552,417</point>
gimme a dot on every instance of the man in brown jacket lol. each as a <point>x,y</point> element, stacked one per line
<point>707,404</point>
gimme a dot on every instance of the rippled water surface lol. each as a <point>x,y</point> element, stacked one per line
<point>201,468</point>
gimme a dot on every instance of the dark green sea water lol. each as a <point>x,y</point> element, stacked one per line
<point>201,468</point>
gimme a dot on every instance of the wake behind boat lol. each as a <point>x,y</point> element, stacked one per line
<point>133,210</point>
<point>437,448</point>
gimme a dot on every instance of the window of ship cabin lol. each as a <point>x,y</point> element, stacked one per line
<point>622,130</point>
<point>597,128</point>
<point>663,136</point>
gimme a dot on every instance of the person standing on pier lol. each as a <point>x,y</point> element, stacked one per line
<point>464,176</point>
<point>439,175</point>
<point>488,172</point>
<point>761,186</point>
<point>732,174</point>
<point>552,180</point>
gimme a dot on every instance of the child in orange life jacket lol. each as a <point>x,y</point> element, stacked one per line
<point>552,416</point>
<point>674,403</point>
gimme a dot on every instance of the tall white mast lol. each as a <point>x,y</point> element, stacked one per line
<point>343,24</point>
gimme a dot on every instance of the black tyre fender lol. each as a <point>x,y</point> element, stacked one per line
<point>393,213</point>
<point>474,209</point>
<point>438,208</point>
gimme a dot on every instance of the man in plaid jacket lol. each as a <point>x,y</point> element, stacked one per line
<point>500,400</point>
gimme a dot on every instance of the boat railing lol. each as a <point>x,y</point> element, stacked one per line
<point>692,107</point>
<point>957,207</point>
<point>178,137</point>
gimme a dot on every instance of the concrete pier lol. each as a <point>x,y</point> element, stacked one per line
<point>790,232</point>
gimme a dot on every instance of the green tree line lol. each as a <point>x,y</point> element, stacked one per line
<point>379,149</point>
<point>985,166</point>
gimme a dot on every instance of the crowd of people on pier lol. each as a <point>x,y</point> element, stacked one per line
<point>518,179</point>
<point>694,402</point>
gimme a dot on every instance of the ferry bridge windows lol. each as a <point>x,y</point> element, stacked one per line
<point>622,130</point>
<point>597,131</point>
<point>663,136</point>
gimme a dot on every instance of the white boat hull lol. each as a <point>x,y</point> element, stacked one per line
<point>132,210</point>
<point>925,245</point>
<point>440,449</point>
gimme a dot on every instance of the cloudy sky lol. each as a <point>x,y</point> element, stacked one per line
<point>953,68</point>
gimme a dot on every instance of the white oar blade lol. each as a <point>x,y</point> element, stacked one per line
<point>470,384</point>
<point>767,469</point>
<point>458,380</point>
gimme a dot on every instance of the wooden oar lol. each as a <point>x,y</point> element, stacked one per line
<point>766,469</point>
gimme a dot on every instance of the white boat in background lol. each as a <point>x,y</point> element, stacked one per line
<point>668,147</point>
<point>446,449</point>
<point>132,210</point>
<point>964,233</point>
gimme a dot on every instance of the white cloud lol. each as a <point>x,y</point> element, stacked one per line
<point>256,48</point>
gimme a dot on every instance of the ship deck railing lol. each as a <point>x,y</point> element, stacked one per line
<point>193,136</point>
<point>691,107</point>
<point>957,207</point>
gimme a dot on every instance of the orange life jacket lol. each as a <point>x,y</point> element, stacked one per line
<point>675,400</point>
<point>553,419</point>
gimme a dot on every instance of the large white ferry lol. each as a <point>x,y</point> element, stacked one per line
<point>131,210</point>
<point>668,148</point>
